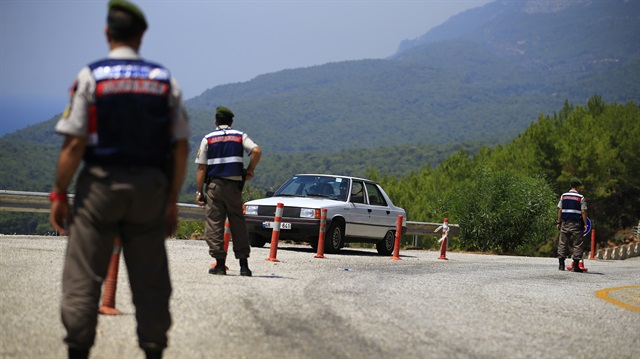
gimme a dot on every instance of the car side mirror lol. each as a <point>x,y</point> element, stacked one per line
<point>269,194</point>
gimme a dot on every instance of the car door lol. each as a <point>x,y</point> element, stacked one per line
<point>358,222</point>
<point>381,218</point>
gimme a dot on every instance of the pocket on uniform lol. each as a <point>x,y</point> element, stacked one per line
<point>97,171</point>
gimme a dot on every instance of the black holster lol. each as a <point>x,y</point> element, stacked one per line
<point>244,179</point>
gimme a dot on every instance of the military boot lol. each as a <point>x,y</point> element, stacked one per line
<point>78,353</point>
<point>244,268</point>
<point>561,263</point>
<point>220,268</point>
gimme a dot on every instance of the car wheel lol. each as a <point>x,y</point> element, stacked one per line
<point>334,238</point>
<point>256,240</point>
<point>385,246</point>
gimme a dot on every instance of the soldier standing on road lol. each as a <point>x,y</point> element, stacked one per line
<point>221,174</point>
<point>126,120</point>
<point>572,223</point>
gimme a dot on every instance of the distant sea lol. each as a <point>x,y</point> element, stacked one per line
<point>18,112</point>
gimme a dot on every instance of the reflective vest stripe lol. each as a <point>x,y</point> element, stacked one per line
<point>217,161</point>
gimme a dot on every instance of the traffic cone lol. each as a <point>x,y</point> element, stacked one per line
<point>275,234</point>
<point>396,245</point>
<point>321,233</point>
<point>580,265</point>
<point>227,239</point>
<point>445,234</point>
<point>111,282</point>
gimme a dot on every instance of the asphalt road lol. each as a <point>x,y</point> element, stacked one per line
<point>352,305</point>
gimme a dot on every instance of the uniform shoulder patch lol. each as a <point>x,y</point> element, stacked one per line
<point>72,91</point>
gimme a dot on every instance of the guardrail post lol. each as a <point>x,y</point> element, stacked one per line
<point>111,282</point>
<point>323,229</point>
<point>275,233</point>
<point>396,246</point>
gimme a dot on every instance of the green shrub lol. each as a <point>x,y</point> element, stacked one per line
<point>504,212</point>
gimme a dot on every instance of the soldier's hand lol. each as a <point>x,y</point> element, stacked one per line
<point>200,200</point>
<point>60,216</point>
<point>250,175</point>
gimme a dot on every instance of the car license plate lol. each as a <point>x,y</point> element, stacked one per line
<point>283,225</point>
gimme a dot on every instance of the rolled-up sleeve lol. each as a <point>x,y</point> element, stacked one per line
<point>248,144</point>
<point>201,157</point>
<point>179,113</point>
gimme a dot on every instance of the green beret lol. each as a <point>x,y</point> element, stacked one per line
<point>575,181</point>
<point>224,112</point>
<point>130,8</point>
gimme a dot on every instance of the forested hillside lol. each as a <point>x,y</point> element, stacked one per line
<point>503,196</point>
<point>477,80</point>
<point>29,157</point>
<point>599,143</point>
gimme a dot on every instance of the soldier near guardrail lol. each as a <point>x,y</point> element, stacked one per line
<point>126,121</point>
<point>572,224</point>
<point>221,179</point>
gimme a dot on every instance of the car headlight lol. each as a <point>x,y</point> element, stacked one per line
<point>309,213</point>
<point>251,210</point>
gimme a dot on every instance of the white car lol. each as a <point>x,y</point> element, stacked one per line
<point>358,210</point>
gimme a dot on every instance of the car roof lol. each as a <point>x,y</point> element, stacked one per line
<point>330,175</point>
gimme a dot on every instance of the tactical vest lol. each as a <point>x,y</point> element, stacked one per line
<point>571,206</point>
<point>224,153</point>
<point>130,121</point>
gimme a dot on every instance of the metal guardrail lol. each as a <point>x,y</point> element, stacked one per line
<point>19,201</point>
<point>428,229</point>
<point>38,202</point>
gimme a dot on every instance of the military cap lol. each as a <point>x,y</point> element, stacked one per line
<point>129,7</point>
<point>224,112</point>
<point>575,181</point>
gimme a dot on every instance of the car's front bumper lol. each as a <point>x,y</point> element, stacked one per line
<point>302,229</point>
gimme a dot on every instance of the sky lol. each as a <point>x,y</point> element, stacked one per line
<point>205,43</point>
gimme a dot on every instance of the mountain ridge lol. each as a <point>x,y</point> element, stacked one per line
<point>489,79</point>
<point>483,87</point>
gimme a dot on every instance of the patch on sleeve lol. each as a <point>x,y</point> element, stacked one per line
<point>72,91</point>
<point>67,109</point>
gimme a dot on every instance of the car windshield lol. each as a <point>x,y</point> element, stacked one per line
<point>316,186</point>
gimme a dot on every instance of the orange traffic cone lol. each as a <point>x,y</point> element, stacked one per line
<point>111,282</point>
<point>275,234</point>
<point>227,239</point>
<point>321,233</point>
<point>396,245</point>
<point>580,265</point>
